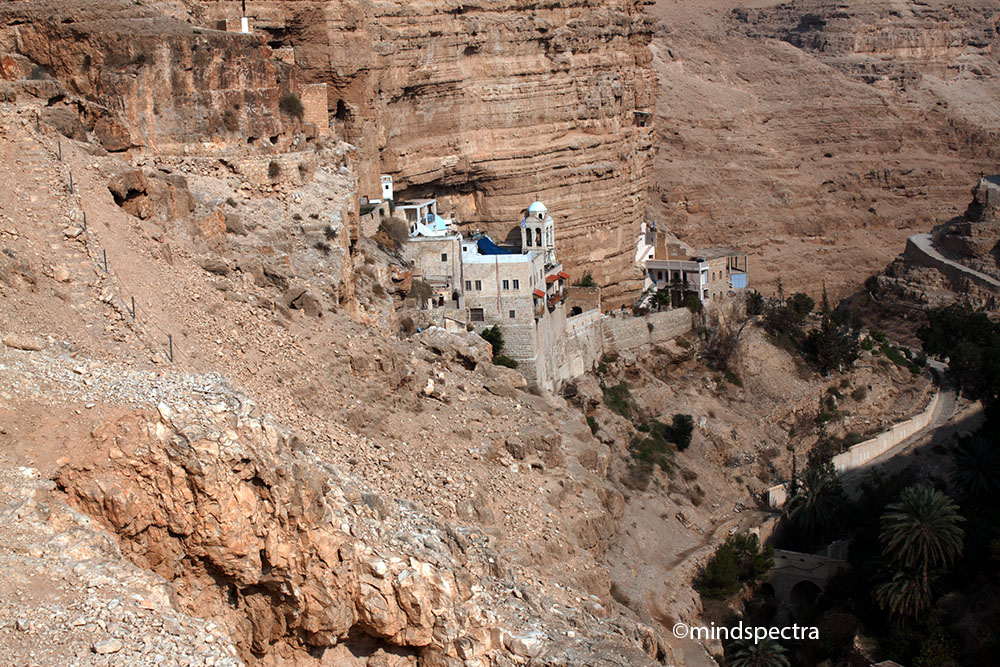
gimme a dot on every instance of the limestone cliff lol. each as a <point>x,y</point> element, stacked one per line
<point>150,82</point>
<point>489,105</point>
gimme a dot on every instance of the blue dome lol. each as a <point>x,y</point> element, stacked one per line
<point>537,207</point>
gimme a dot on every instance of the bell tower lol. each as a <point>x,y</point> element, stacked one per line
<point>538,232</point>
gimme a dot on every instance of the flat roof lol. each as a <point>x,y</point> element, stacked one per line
<point>414,203</point>
<point>715,253</point>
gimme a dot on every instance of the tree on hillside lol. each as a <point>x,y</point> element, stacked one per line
<point>738,561</point>
<point>905,595</point>
<point>812,511</point>
<point>765,653</point>
<point>976,470</point>
<point>971,343</point>
<point>832,346</point>
<point>920,535</point>
<point>922,530</point>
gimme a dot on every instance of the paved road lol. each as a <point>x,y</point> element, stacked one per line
<point>925,245</point>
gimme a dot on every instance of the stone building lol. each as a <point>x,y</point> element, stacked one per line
<point>710,273</point>
<point>520,289</point>
<point>478,283</point>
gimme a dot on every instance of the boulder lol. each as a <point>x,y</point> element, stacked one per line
<point>468,348</point>
<point>66,120</point>
<point>215,265</point>
<point>23,342</point>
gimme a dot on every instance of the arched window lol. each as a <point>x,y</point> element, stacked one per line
<point>538,237</point>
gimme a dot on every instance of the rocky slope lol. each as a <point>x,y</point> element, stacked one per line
<point>818,135</point>
<point>490,106</point>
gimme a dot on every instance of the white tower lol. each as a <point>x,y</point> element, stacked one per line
<point>387,192</point>
<point>538,232</point>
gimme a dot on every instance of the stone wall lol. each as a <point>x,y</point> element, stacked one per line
<point>584,343</point>
<point>625,333</point>
<point>584,298</point>
<point>589,336</point>
<point>980,288</point>
<point>864,452</point>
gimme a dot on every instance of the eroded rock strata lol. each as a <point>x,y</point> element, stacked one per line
<point>490,106</point>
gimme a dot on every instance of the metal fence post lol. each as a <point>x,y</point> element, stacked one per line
<point>105,252</point>
<point>133,308</point>
<point>170,342</point>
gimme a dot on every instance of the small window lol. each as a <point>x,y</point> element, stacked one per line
<point>468,285</point>
<point>476,315</point>
<point>517,284</point>
<point>512,314</point>
<point>506,284</point>
<point>479,285</point>
<point>444,257</point>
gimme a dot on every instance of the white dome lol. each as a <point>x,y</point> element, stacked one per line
<point>537,207</point>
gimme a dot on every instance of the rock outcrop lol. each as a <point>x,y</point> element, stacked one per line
<point>288,554</point>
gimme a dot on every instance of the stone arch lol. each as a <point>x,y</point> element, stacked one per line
<point>803,599</point>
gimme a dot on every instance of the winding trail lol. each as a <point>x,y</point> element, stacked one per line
<point>925,245</point>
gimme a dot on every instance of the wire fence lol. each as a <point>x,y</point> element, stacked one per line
<point>142,318</point>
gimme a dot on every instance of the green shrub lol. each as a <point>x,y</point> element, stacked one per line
<point>801,305</point>
<point>692,303</point>
<point>494,337</point>
<point>586,281</point>
<point>291,104</point>
<point>737,562</point>
<point>504,360</point>
<point>682,428</point>
<point>592,423</point>
<point>619,399</point>
<point>420,290</point>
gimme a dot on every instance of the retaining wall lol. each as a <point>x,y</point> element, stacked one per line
<point>959,275</point>
<point>590,335</point>
<point>864,452</point>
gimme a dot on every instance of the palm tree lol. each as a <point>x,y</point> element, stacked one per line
<point>976,472</point>
<point>921,532</point>
<point>905,595</point>
<point>813,507</point>
<point>765,653</point>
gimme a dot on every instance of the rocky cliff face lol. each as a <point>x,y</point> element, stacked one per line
<point>151,82</point>
<point>490,106</point>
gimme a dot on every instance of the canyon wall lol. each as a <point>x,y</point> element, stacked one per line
<point>489,105</point>
<point>153,83</point>
<point>816,135</point>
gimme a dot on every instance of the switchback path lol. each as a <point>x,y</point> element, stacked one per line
<point>925,244</point>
